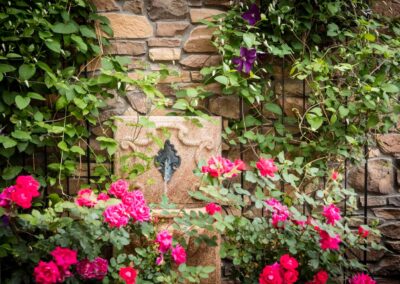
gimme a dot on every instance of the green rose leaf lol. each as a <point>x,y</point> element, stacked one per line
<point>26,71</point>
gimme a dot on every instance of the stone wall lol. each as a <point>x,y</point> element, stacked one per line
<point>169,32</point>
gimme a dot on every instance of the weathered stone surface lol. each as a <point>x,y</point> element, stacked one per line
<point>198,14</point>
<point>164,42</point>
<point>164,54</point>
<point>226,106</point>
<point>372,255</point>
<point>182,77</point>
<point>199,61</point>
<point>192,144</point>
<point>225,3</point>
<point>393,245</point>
<point>196,76</point>
<point>126,47</point>
<point>105,5</point>
<point>391,230</point>
<point>134,6</point>
<point>389,143</point>
<point>202,254</point>
<point>200,40</point>
<point>394,200</point>
<point>388,266</point>
<point>387,213</point>
<point>129,26</point>
<point>386,280</point>
<point>139,102</point>
<point>167,9</point>
<point>171,28</point>
<point>388,8</point>
<point>380,177</point>
<point>195,3</point>
<point>373,201</point>
<point>292,87</point>
<point>115,106</point>
<point>292,106</point>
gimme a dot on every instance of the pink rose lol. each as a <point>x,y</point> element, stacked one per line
<point>218,166</point>
<point>280,212</point>
<point>128,274</point>
<point>239,165</point>
<point>321,277</point>
<point>103,197</point>
<point>22,197</point>
<point>332,214</point>
<point>86,197</point>
<point>271,274</point>
<point>213,208</point>
<point>328,242</point>
<point>334,175</point>
<point>119,188</point>
<point>362,278</point>
<point>116,215</point>
<point>363,232</point>
<point>160,260</point>
<point>5,196</point>
<point>164,240</point>
<point>64,257</point>
<point>288,262</point>
<point>290,276</point>
<point>267,167</point>
<point>179,255</point>
<point>46,273</point>
<point>136,206</point>
<point>29,183</point>
<point>96,269</point>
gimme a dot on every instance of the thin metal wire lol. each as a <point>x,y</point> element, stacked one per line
<point>366,154</point>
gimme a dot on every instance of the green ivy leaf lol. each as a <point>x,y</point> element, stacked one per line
<point>7,141</point>
<point>26,71</point>
<point>67,28</point>
<point>87,32</point>
<point>10,173</point>
<point>78,150</point>
<point>390,88</point>
<point>222,80</point>
<point>274,108</point>
<point>22,102</point>
<point>5,68</point>
<point>53,45</point>
<point>21,135</point>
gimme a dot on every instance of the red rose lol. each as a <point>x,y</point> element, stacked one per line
<point>321,277</point>
<point>290,276</point>
<point>64,257</point>
<point>213,208</point>
<point>288,262</point>
<point>46,273</point>
<point>22,197</point>
<point>271,274</point>
<point>128,274</point>
<point>28,183</point>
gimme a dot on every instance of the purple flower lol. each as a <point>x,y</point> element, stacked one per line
<point>246,60</point>
<point>252,16</point>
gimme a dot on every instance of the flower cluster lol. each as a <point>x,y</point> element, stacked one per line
<point>280,212</point>
<point>132,205</point>
<point>164,241</point>
<point>283,272</point>
<point>212,208</point>
<point>128,274</point>
<point>267,167</point>
<point>87,198</point>
<point>321,277</point>
<point>332,214</point>
<point>25,189</point>
<point>58,269</point>
<point>361,278</point>
<point>363,232</point>
<point>219,166</point>
<point>328,242</point>
<point>96,269</point>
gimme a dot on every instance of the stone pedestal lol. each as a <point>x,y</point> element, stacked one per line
<point>191,142</point>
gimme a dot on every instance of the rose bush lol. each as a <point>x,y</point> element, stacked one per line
<point>105,237</point>
<point>287,233</point>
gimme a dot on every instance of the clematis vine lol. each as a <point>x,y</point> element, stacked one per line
<point>253,15</point>
<point>245,62</point>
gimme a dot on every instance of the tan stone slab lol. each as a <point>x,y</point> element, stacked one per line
<point>129,26</point>
<point>105,5</point>
<point>171,28</point>
<point>126,47</point>
<point>164,54</point>
<point>200,60</point>
<point>198,14</point>
<point>164,42</point>
<point>200,40</point>
<point>193,144</point>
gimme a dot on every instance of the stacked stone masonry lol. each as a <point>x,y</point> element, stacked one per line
<point>170,32</point>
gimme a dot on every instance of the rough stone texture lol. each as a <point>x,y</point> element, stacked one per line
<point>196,15</point>
<point>225,3</point>
<point>139,102</point>
<point>134,6</point>
<point>395,200</point>
<point>105,5</point>
<point>389,143</point>
<point>171,28</point>
<point>393,245</point>
<point>200,40</point>
<point>196,76</point>
<point>195,3</point>
<point>164,54</point>
<point>391,230</point>
<point>182,77</point>
<point>292,87</point>
<point>388,8</point>
<point>372,255</point>
<point>373,201</point>
<point>164,42</point>
<point>196,255</point>
<point>167,9</point>
<point>192,143</point>
<point>380,177</point>
<point>387,213</point>
<point>115,106</point>
<point>125,47</point>
<point>226,106</point>
<point>199,61</point>
<point>129,26</point>
<point>388,266</point>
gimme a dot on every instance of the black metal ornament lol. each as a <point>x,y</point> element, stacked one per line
<point>167,161</point>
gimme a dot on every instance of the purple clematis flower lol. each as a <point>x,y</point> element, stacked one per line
<point>245,62</point>
<point>253,15</point>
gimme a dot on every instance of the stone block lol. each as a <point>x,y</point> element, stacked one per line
<point>388,266</point>
<point>191,142</point>
<point>224,3</point>
<point>126,47</point>
<point>195,3</point>
<point>391,230</point>
<point>380,177</point>
<point>198,14</point>
<point>393,245</point>
<point>387,213</point>
<point>200,40</point>
<point>164,42</point>
<point>164,54</point>
<point>105,5</point>
<point>171,28</point>
<point>394,200</point>
<point>167,9</point>
<point>373,201</point>
<point>291,87</point>
<point>134,6</point>
<point>139,102</point>
<point>226,106</point>
<point>196,76</point>
<point>200,60</point>
<point>129,26</point>
<point>389,143</point>
<point>387,8</point>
